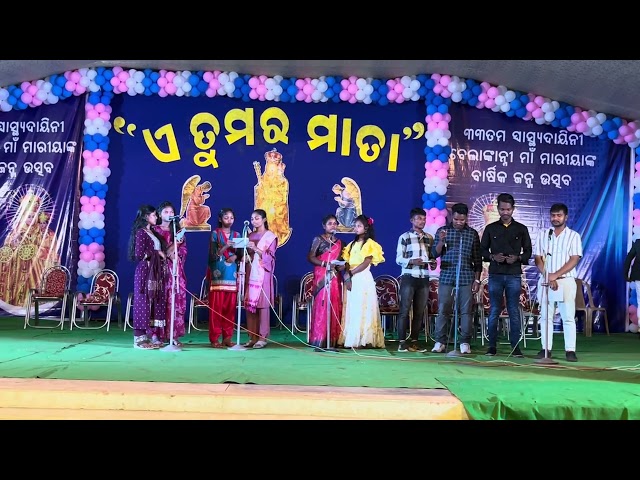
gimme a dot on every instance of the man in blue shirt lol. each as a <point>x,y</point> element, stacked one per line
<point>458,247</point>
<point>506,244</point>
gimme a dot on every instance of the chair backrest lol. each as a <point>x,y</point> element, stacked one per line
<point>305,292</point>
<point>105,283</point>
<point>388,291</point>
<point>433,296</point>
<point>580,301</point>
<point>56,280</point>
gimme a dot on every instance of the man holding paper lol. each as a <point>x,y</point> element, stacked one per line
<point>557,252</point>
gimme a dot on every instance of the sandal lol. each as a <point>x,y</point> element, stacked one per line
<point>228,343</point>
<point>177,343</point>
<point>249,344</point>
<point>260,344</point>
<point>216,345</point>
<point>157,342</point>
<point>143,343</point>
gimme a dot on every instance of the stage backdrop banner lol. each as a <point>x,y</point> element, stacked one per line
<point>39,161</point>
<point>203,154</point>
<point>540,165</point>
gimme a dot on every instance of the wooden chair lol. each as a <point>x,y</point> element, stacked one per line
<point>303,302</point>
<point>388,291</point>
<point>103,293</point>
<point>54,288</point>
<point>504,314</point>
<point>431,314</point>
<point>588,309</point>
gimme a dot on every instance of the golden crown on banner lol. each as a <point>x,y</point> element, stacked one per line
<point>273,157</point>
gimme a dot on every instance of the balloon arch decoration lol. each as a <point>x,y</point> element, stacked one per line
<point>436,91</point>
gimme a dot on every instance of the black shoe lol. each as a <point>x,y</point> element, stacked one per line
<point>541,354</point>
<point>491,352</point>
<point>517,353</point>
<point>402,347</point>
<point>571,357</point>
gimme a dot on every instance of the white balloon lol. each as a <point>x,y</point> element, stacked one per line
<point>360,83</point>
<point>186,87</point>
<point>367,100</point>
<point>601,117</point>
<point>592,121</point>
<point>549,117</point>
<point>415,97</point>
<point>456,97</point>
<point>443,142</point>
<point>138,76</point>
<point>5,106</point>
<point>130,82</point>
<point>368,89</point>
<point>94,87</point>
<point>277,90</point>
<point>500,100</point>
<point>407,93</point>
<point>85,81</point>
<point>270,83</point>
<point>597,130</point>
<point>322,86</point>
<point>505,107</point>
<point>233,76</point>
<point>405,81</point>
<point>539,121</point>
<point>229,88</point>
<point>223,78</point>
<point>178,81</point>
<point>360,95</point>
<point>52,99</point>
<point>317,95</point>
<point>92,73</point>
<point>269,95</point>
<point>509,95</point>
<point>139,88</point>
<point>41,95</point>
<point>414,85</point>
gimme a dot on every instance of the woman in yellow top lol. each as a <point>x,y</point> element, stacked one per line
<point>361,318</point>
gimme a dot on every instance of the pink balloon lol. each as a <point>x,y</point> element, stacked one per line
<point>32,90</point>
<point>207,76</point>
<point>437,117</point>
<point>99,107</point>
<point>438,89</point>
<point>86,256</point>
<point>98,208</point>
<point>307,89</point>
<point>94,247</point>
<point>432,126</point>
<point>344,95</point>
<point>26,98</point>
<point>92,114</point>
<point>214,84</point>
<point>171,89</point>
<point>391,95</point>
<point>99,256</point>
<point>83,248</point>
<point>162,82</point>
<point>103,162</point>
<point>443,173</point>
<point>300,96</point>
<point>436,164</point>
<point>84,200</point>
<point>105,116</point>
<point>170,76</point>
<point>443,125</point>
<point>87,208</point>
<point>434,212</point>
<point>91,162</point>
<point>253,95</point>
<point>490,103</point>
<point>94,200</point>
<point>445,80</point>
<point>253,82</point>
<point>261,89</point>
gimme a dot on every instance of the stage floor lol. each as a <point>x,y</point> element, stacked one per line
<point>604,384</point>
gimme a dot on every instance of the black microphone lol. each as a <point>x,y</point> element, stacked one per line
<point>550,233</point>
<point>175,217</point>
<point>549,242</point>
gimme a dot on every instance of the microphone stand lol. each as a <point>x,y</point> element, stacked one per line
<point>455,352</point>
<point>546,360</point>
<point>174,275</point>
<point>241,274</point>
<point>327,300</point>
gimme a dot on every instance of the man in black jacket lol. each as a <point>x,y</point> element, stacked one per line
<point>506,244</point>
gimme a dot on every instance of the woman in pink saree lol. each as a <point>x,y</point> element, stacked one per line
<point>258,293</point>
<point>326,248</point>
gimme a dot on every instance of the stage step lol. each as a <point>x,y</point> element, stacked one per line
<point>90,399</point>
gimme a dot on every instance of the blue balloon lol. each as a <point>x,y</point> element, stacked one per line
<point>83,232</point>
<point>99,240</point>
<point>284,96</point>
<point>154,76</point>
<point>155,88</point>
<point>93,232</point>
<point>437,149</point>
<point>430,83</point>
<point>443,157</point>
<point>97,186</point>
<point>383,89</point>
<point>329,93</point>
<point>86,240</point>
<point>104,145</point>
<point>443,109</point>
<point>433,196</point>
<point>238,82</point>
<point>613,134</point>
<point>431,157</point>
<point>90,145</point>
<point>441,204</point>
<point>194,79</point>
<point>89,192</point>
<point>108,74</point>
<point>146,82</point>
<point>427,204</point>
<point>431,109</point>
<point>203,86</point>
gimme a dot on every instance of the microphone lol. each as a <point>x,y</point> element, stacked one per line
<point>549,241</point>
<point>246,223</point>
<point>175,217</point>
<point>550,233</point>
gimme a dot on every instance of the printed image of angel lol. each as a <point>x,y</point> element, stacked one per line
<point>349,201</point>
<point>195,214</point>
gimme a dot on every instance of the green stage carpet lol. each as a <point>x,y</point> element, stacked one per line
<point>605,384</point>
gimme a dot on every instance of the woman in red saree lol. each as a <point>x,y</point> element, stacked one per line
<point>324,249</point>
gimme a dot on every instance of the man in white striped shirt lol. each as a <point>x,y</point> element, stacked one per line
<point>557,252</point>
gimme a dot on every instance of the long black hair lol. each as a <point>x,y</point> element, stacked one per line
<point>141,222</point>
<point>161,207</point>
<point>221,214</point>
<point>263,214</point>
<point>369,232</point>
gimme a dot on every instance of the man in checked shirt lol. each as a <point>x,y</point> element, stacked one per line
<point>460,264</point>
<point>413,254</point>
